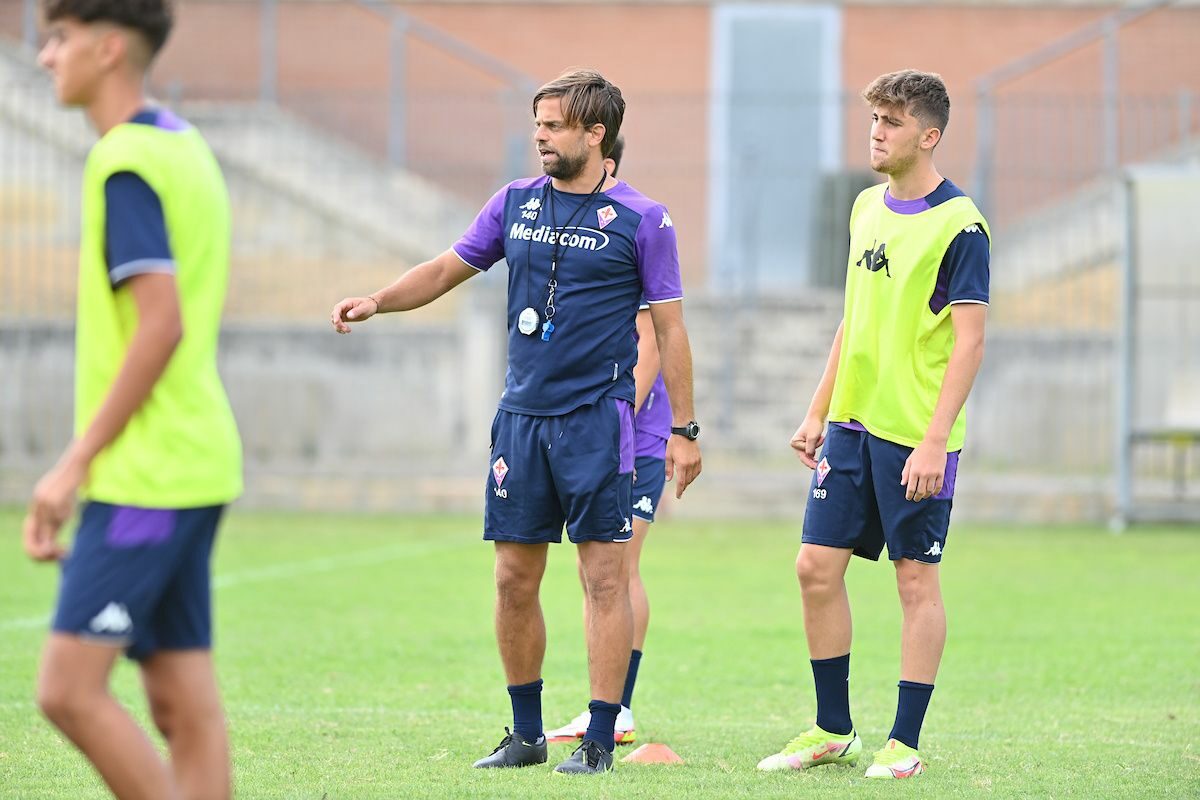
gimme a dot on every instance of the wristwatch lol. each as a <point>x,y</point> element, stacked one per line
<point>689,431</point>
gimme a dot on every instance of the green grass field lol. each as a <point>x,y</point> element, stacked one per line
<point>357,661</point>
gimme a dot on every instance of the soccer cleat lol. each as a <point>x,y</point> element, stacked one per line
<point>814,748</point>
<point>515,750</point>
<point>588,758</point>
<point>896,760</point>
<point>572,730</point>
<point>624,732</point>
<point>576,728</point>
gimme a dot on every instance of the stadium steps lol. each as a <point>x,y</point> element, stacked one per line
<point>392,208</point>
<point>349,192</point>
<point>1080,235</point>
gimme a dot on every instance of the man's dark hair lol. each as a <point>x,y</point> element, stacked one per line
<point>150,18</point>
<point>618,150</point>
<point>588,99</point>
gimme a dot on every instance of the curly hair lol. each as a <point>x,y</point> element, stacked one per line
<point>151,18</point>
<point>922,94</point>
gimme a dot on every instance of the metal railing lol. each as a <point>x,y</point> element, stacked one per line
<point>1104,31</point>
<point>402,26</point>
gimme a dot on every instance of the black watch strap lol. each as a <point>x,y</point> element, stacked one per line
<point>689,431</point>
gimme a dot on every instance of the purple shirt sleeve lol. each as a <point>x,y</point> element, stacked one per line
<point>658,257</point>
<point>483,243</point>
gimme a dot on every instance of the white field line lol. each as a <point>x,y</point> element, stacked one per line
<point>289,570</point>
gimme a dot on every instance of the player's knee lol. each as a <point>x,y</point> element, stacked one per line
<point>60,702</point>
<point>607,589</point>
<point>814,576</point>
<point>514,585</point>
<point>164,714</point>
<point>917,588</point>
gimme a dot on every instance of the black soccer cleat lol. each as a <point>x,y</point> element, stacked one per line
<point>515,751</point>
<point>588,758</point>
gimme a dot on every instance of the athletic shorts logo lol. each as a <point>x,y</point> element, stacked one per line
<point>823,469</point>
<point>113,619</point>
<point>605,216</point>
<point>499,470</point>
<point>628,528</point>
<point>936,550</point>
<point>644,505</point>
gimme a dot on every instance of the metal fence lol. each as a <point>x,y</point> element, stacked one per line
<point>338,189</point>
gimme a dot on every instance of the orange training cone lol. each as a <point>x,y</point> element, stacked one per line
<point>653,753</point>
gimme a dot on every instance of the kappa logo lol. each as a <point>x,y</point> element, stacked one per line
<point>823,469</point>
<point>666,221</point>
<point>113,619</point>
<point>972,228</point>
<point>605,216</point>
<point>936,550</point>
<point>628,528</point>
<point>875,260</point>
<point>531,208</point>
<point>644,505</point>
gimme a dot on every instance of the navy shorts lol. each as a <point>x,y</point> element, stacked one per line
<point>650,478</point>
<point>856,500</point>
<point>574,469</point>
<point>138,578</point>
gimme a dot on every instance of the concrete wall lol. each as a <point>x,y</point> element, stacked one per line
<point>396,415</point>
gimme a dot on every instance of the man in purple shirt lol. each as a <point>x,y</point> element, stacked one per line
<point>582,248</point>
<point>652,430</point>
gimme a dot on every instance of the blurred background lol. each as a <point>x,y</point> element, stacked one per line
<point>360,137</point>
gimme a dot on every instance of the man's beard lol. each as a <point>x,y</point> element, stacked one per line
<point>566,168</point>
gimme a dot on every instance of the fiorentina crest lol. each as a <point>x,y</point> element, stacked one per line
<point>823,469</point>
<point>499,470</point>
<point>605,216</point>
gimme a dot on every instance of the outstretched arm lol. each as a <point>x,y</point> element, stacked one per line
<point>419,286</point>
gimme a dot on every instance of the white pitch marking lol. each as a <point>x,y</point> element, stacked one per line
<point>285,571</point>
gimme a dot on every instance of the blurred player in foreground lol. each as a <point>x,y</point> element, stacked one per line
<point>156,455</point>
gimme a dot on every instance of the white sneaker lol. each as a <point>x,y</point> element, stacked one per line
<point>624,733</point>
<point>576,728</point>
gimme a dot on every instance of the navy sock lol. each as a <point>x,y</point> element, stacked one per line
<point>832,679</point>
<point>635,658</point>
<point>910,712</point>
<point>527,709</point>
<point>604,722</point>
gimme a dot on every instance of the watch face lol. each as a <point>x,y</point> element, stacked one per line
<point>689,431</point>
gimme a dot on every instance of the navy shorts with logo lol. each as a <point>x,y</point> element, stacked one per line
<point>575,469</point>
<point>856,501</point>
<point>138,578</point>
<point>650,478</point>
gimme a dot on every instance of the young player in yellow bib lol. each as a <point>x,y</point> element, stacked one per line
<point>902,364</point>
<point>156,454</point>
